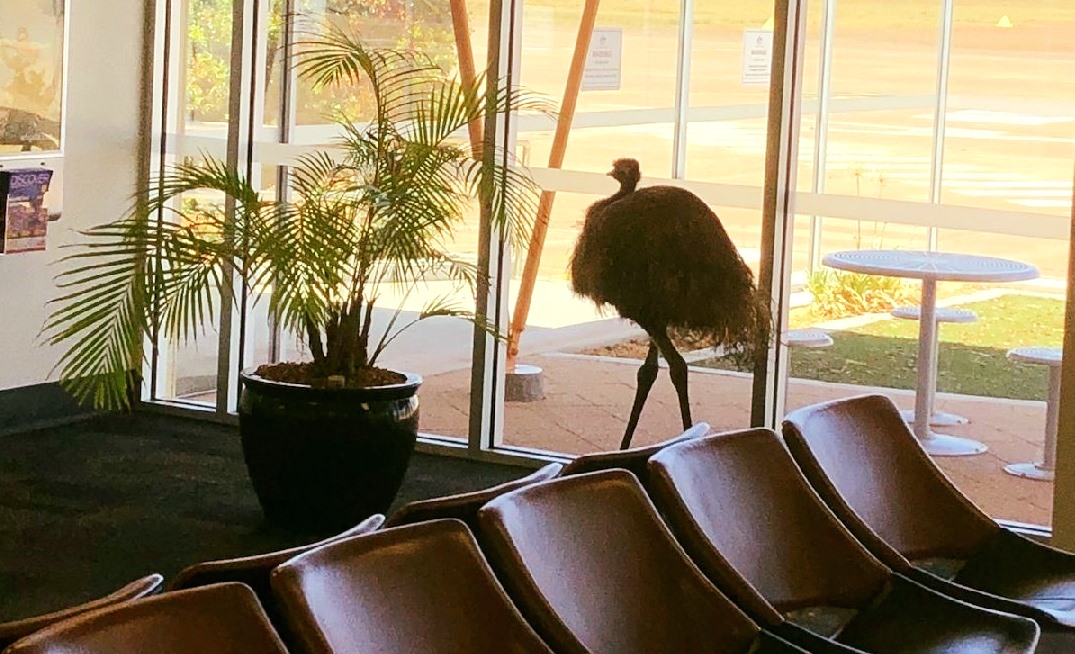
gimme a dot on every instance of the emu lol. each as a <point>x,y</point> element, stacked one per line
<point>661,258</point>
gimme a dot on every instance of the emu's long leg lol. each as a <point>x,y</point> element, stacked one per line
<point>677,370</point>
<point>647,374</point>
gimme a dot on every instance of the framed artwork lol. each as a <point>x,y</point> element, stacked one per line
<point>31,75</point>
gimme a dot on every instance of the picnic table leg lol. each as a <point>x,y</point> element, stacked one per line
<point>934,443</point>
<point>927,362</point>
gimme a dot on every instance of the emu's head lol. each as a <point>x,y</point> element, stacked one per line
<point>625,171</point>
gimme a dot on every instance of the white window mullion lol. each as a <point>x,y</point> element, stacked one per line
<point>243,115</point>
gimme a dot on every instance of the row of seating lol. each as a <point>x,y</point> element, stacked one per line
<point>712,543</point>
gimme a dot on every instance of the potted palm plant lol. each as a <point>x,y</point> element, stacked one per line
<point>327,439</point>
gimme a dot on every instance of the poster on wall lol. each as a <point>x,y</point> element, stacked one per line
<point>24,218</point>
<point>31,74</point>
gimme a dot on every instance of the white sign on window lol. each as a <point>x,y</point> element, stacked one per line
<point>604,60</point>
<point>757,56</point>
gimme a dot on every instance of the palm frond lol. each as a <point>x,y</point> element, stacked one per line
<point>104,314</point>
<point>378,209</point>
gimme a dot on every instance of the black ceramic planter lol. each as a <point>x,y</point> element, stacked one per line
<point>321,460</point>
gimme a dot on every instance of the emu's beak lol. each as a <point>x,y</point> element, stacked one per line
<point>611,172</point>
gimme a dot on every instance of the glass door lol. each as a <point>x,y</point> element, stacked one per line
<point>682,88</point>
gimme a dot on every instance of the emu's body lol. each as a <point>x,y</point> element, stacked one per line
<point>661,258</point>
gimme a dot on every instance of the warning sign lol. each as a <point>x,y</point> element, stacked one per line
<point>757,56</point>
<point>604,60</point>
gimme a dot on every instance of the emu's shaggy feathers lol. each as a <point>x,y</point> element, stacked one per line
<point>660,257</point>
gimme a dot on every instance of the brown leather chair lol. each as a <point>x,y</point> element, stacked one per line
<point>868,466</point>
<point>592,567</point>
<point>419,588</point>
<point>464,506</point>
<point>12,631</point>
<point>223,619</point>
<point>254,570</point>
<point>633,459</point>
<point>750,520</point>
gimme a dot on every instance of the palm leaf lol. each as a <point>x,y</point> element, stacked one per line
<point>379,209</point>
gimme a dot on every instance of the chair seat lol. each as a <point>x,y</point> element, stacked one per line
<point>1049,356</point>
<point>911,618</point>
<point>797,560</point>
<point>870,468</point>
<point>1019,569</point>
<point>423,587</point>
<point>807,337</point>
<point>944,314</point>
<point>940,566</point>
<point>827,621</point>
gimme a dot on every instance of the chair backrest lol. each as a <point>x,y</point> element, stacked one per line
<point>222,618</point>
<point>464,506</point>
<point>633,459</point>
<point>745,513</point>
<point>592,567</point>
<point>254,571</point>
<point>14,630</point>
<point>418,588</point>
<point>869,467</point>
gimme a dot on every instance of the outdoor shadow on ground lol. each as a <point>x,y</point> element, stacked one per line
<point>890,363</point>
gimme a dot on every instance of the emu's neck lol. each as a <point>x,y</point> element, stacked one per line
<point>627,186</point>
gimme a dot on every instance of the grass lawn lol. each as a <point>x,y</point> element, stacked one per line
<point>972,357</point>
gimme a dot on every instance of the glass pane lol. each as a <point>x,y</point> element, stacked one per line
<point>883,86</point>
<point>729,93</point>
<point>187,367</point>
<point>1008,133</point>
<point>1009,123</point>
<point>624,115</point>
<point>425,26</point>
<point>417,25</point>
<point>1006,148</point>
<point>590,357</point>
<point>208,65</point>
<point>275,66</point>
<point>31,75</point>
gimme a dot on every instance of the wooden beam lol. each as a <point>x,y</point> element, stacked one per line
<point>467,74</point>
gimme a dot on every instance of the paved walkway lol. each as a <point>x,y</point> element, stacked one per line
<point>588,399</point>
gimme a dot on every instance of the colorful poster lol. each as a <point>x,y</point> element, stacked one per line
<point>31,74</point>
<point>23,213</point>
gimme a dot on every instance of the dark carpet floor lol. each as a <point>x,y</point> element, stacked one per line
<point>86,507</point>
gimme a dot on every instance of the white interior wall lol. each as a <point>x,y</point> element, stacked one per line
<point>99,165</point>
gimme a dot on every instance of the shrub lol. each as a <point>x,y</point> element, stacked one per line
<point>839,294</point>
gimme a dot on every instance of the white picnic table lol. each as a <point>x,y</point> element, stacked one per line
<point>932,267</point>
